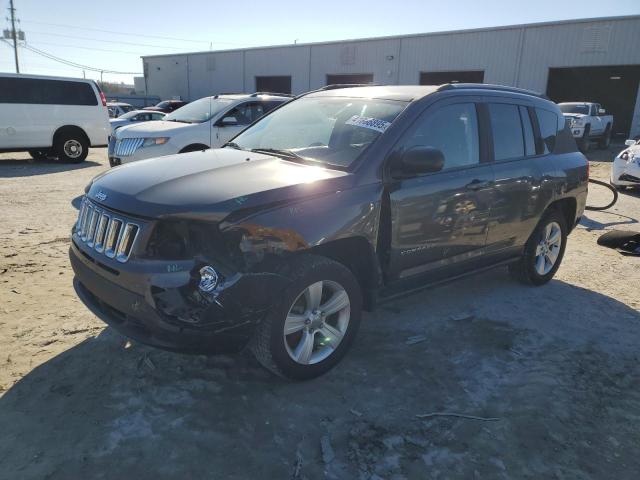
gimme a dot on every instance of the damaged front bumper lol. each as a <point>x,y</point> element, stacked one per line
<point>165,309</point>
<point>626,172</point>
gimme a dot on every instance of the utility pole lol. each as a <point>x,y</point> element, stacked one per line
<point>14,34</point>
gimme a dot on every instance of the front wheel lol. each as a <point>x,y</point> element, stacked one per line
<point>40,154</point>
<point>314,321</point>
<point>543,251</point>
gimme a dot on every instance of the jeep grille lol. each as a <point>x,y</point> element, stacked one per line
<point>106,232</point>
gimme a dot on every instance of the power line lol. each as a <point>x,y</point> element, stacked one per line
<point>74,64</point>
<point>131,34</point>
<point>31,32</point>
<point>86,48</point>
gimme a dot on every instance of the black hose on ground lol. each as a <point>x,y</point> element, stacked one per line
<point>610,187</point>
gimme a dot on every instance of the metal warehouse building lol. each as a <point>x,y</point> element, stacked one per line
<point>594,60</point>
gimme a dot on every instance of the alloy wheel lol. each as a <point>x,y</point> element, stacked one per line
<point>317,322</point>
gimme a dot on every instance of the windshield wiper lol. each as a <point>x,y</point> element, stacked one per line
<point>232,145</point>
<point>176,120</point>
<point>278,152</point>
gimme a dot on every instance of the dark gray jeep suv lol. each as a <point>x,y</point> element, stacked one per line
<point>330,204</point>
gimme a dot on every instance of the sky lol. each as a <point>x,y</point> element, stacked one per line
<point>113,35</point>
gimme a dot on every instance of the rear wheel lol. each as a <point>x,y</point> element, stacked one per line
<point>71,147</point>
<point>314,321</point>
<point>605,141</point>
<point>543,252</point>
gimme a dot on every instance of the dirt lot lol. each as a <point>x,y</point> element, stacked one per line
<point>557,366</point>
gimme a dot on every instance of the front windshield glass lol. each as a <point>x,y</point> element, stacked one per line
<point>130,114</point>
<point>198,111</point>
<point>127,108</point>
<point>582,109</point>
<point>331,130</point>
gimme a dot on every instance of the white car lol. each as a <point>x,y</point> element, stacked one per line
<point>206,123</point>
<point>116,109</point>
<point>135,116</point>
<point>588,122</point>
<point>625,169</point>
<point>52,116</point>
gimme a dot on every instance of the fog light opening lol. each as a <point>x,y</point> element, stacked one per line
<point>209,279</point>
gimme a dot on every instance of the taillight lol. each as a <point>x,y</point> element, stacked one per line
<point>104,99</point>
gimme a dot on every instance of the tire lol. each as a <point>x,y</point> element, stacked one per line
<point>605,141</point>
<point>71,147</point>
<point>278,352</point>
<point>585,144</point>
<point>40,154</point>
<point>526,270</point>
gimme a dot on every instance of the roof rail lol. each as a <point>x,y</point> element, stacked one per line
<point>488,86</point>
<point>335,86</point>
<point>276,94</point>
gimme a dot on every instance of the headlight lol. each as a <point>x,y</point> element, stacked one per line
<point>625,155</point>
<point>577,122</point>
<point>149,142</point>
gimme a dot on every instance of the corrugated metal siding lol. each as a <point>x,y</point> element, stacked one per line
<point>213,73</point>
<point>519,56</point>
<point>377,57</point>
<point>495,52</point>
<point>292,61</point>
<point>571,45</point>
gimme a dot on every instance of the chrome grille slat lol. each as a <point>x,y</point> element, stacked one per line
<point>106,233</point>
<point>127,146</point>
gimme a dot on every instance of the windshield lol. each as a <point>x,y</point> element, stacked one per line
<point>129,114</point>
<point>331,130</point>
<point>582,109</point>
<point>127,108</point>
<point>198,111</point>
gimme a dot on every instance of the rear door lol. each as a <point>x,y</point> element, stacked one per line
<point>514,151</point>
<point>441,219</point>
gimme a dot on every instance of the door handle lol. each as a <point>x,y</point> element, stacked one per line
<point>477,184</point>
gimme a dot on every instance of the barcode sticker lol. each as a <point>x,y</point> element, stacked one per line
<point>368,122</point>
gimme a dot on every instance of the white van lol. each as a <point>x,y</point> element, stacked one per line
<point>52,116</point>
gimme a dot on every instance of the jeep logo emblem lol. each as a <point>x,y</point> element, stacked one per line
<point>101,196</point>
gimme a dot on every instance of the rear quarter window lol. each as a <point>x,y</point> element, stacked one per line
<point>549,125</point>
<point>46,92</point>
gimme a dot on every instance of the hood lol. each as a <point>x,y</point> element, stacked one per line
<point>117,121</point>
<point>574,115</point>
<point>152,129</point>
<point>210,184</point>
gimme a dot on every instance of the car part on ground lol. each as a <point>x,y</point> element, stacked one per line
<point>625,242</point>
<point>336,201</point>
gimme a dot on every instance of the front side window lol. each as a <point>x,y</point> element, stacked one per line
<point>198,111</point>
<point>508,141</point>
<point>548,122</point>
<point>246,113</point>
<point>331,130</point>
<point>452,129</point>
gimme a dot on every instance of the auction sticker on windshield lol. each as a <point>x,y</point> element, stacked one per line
<point>368,122</point>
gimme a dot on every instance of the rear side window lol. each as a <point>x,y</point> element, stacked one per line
<point>46,92</point>
<point>548,122</point>
<point>527,130</point>
<point>508,140</point>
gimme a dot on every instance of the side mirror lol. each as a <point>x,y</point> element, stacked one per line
<point>420,160</point>
<point>601,111</point>
<point>228,122</point>
<point>629,142</point>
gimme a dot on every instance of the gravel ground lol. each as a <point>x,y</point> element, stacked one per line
<point>553,372</point>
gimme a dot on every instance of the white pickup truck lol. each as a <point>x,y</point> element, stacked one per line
<point>588,122</point>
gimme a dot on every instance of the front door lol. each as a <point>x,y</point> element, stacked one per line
<point>441,219</point>
<point>234,121</point>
